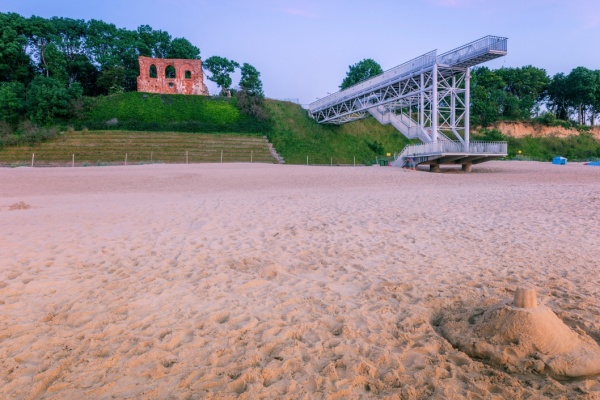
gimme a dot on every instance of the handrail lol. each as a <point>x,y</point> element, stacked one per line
<point>416,64</point>
<point>453,57</point>
<point>452,146</point>
<point>472,49</point>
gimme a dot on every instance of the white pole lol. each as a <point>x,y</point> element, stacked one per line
<point>125,158</point>
<point>73,160</point>
<point>32,159</point>
<point>435,104</point>
<point>221,155</point>
<point>467,108</point>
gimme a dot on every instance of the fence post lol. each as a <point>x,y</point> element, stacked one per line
<point>251,156</point>
<point>73,160</point>
<point>355,161</point>
<point>32,159</point>
<point>151,157</point>
<point>306,160</point>
<point>125,158</point>
<point>331,162</point>
<point>186,156</point>
<point>221,155</point>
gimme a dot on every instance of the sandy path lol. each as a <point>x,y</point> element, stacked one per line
<point>269,281</point>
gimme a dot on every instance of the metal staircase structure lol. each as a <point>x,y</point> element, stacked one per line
<point>426,98</point>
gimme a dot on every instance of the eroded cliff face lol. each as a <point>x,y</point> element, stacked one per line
<point>519,129</point>
<point>171,76</point>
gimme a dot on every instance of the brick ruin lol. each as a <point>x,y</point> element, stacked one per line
<point>171,76</point>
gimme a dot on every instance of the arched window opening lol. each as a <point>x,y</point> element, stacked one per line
<point>153,73</point>
<point>188,74</point>
<point>170,72</point>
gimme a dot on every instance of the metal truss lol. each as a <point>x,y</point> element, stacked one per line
<point>426,98</point>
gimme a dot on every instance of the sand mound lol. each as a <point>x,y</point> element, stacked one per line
<point>524,339</point>
<point>19,206</point>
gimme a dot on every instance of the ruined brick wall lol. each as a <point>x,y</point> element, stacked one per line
<point>188,79</point>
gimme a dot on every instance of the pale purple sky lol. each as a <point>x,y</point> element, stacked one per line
<point>303,47</point>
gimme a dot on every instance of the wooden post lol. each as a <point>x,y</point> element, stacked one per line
<point>221,155</point>
<point>251,156</point>
<point>125,158</point>
<point>331,162</point>
<point>150,157</point>
<point>32,159</point>
<point>73,160</point>
<point>355,161</point>
<point>186,156</point>
<point>306,160</point>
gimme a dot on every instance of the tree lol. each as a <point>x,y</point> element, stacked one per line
<point>47,99</point>
<point>15,64</point>
<point>153,43</point>
<point>582,86</point>
<point>487,96</point>
<point>221,68</point>
<point>596,103</point>
<point>182,48</point>
<point>360,71</point>
<point>526,86</point>
<point>12,101</point>
<point>250,81</point>
<point>39,32</point>
<point>558,97</point>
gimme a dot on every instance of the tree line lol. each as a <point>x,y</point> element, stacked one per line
<point>518,94</point>
<point>47,65</point>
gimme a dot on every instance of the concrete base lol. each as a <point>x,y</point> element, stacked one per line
<point>434,168</point>
<point>468,167</point>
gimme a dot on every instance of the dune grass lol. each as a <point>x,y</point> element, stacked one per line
<point>295,136</point>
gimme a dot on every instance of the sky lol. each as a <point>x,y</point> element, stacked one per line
<point>303,48</point>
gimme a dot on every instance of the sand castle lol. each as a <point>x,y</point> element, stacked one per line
<point>523,336</point>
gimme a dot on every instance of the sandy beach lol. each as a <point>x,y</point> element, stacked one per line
<point>255,281</point>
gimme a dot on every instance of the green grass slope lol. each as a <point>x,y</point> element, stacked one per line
<point>113,147</point>
<point>157,112</point>
<point>135,123</point>
<point>295,136</point>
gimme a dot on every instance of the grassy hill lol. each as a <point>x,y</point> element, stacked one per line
<point>296,136</point>
<point>135,123</point>
<point>167,113</point>
<point>153,127</point>
<point>115,147</point>
<point>292,132</point>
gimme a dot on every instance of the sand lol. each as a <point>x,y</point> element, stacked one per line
<point>272,281</point>
<point>519,130</point>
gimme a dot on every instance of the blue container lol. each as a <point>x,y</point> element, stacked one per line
<point>559,161</point>
<point>597,163</point>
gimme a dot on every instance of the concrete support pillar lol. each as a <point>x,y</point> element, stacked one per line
<point>468,167</point>
<point>434,168</point>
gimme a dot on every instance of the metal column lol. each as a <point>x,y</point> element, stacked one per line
<point>434,103</point>
<point>467,107</point>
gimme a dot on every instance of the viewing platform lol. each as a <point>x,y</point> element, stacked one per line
<point>426,98</point>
